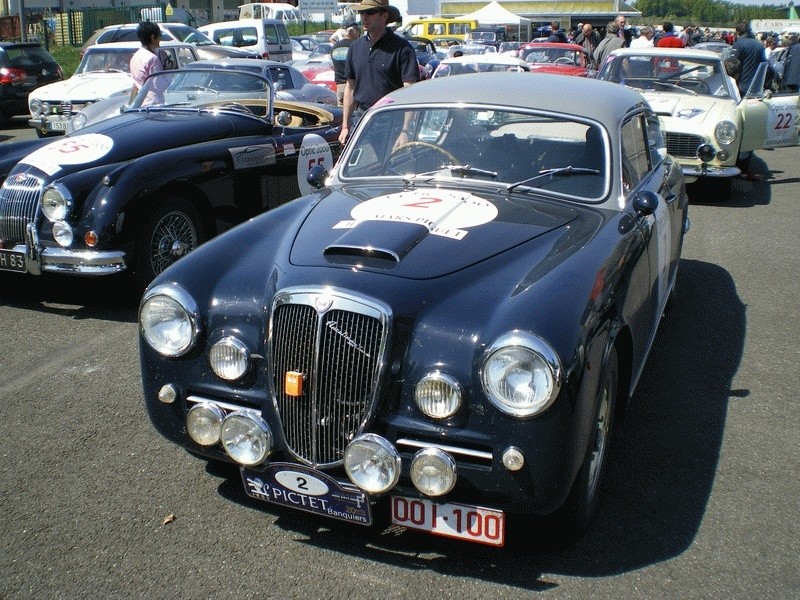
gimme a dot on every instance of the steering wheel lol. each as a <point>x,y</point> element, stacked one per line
<point>401,147</point>
<point>236,106</point>
<point>563,60</point>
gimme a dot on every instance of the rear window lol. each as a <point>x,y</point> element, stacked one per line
<point>26,56</point>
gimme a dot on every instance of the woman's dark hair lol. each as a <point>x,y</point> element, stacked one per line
<point>146,30</point>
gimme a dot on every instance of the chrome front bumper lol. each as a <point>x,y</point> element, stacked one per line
<point>695,171</point>
<point>72,262</point>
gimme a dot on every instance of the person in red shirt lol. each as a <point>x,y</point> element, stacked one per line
<point>670,39</point>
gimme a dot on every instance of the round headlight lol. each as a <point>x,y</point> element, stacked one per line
<point>725,132</point>
<point>372,463</point>
<point>521,374</point>
<point>433,471</point>
<point>438,395</point>
<point>35,106</point>
<point>168,320</point>
<point>76,122</point>
<point>56,202</point>
<point>62,233</point>
<point>204,423</point>
<point>229,358</point>
<point>246,437</point>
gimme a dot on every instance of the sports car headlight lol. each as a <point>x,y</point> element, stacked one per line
<point>169,320</point>
<point>521,374</point>
<point>438,395</point>
<point>35,107</point>
<point>229,358</point>
<point>246,437</point>
<point>725,132</point>
<point>433,471</point>
<point>76,122</point>
<point>372,463</point>
<point>204,423</point>
<point>56,202</point>
<point>62,233</point>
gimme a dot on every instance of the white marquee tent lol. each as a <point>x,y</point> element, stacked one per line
<point>494,14</point>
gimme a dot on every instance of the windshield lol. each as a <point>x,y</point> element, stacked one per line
<point>557,56</point>
<point>206,88</point>
<point>459,67</point>
<point>106,60</point>
<point>692,76</point>
<point>512,149</point>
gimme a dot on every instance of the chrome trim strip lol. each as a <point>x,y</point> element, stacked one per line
<point>698,171</point>
<point>487,456</point>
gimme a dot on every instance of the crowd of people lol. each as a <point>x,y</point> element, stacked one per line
<point>782,52</point>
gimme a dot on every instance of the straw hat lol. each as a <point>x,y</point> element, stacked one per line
<point>394,12</point>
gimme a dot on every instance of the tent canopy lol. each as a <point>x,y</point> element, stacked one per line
<point>494,14</point>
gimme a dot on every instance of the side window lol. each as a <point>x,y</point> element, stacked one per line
<point>656,140</point>
<point>635,152</point>
<point>249,37</point>
<point>226,37</point>
<point>185,56</point>
<point>281,79</point>
<point>271,34</point>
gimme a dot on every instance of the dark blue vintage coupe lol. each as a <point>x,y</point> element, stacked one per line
<point>197,152</point>
<point>445,332</point>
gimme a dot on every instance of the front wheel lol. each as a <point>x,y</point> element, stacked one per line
<point>576,515</point>
<point>171,231</point>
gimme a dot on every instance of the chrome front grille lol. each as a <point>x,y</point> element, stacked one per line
<point>683,145</point>
<point>19,198</point>
<point>335,343</point>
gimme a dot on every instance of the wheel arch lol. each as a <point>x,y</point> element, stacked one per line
<point>140,207</point>
<point>623,344</point>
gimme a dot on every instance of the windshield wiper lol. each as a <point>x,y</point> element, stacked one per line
<point>462,170</point>
<point>550,174</point>
<point>674,86</point>
<point>679,74</point>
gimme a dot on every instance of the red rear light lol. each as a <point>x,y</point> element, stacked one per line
<point>12,75</point>
<point>265,55</point>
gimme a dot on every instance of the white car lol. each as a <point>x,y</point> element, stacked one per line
<point>709,129</point>
<point>103,71</point>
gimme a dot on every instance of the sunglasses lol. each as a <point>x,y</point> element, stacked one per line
<point>372,11</point>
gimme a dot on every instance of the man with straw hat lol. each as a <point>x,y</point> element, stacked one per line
<point>377,63</point>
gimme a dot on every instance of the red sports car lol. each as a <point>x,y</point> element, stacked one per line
<point>552,57</point>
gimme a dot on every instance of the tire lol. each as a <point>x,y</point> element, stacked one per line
<point>171,231</point>
<point>575,517</point>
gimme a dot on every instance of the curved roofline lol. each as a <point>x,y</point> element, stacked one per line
<point>517,89</point>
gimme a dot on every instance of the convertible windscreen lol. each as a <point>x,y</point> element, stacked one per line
<point>517,150</point>
<point>205,88</point>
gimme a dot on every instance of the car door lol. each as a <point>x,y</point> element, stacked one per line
<point>768,120</point>
<point>649,282</point>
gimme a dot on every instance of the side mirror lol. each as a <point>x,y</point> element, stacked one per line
<point>645,203</point>
<point>316,176</point>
